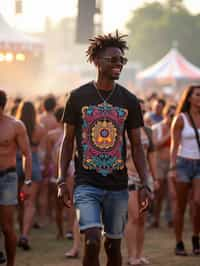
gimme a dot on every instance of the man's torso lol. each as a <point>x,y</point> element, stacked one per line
<point>100,128</point>
<point>8,144</point>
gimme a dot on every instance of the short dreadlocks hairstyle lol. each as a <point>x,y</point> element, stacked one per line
<point>101,42</point>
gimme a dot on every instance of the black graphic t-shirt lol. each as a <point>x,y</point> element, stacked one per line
<point>100,134</point>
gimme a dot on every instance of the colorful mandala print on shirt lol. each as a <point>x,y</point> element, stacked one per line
<point>102,138</point>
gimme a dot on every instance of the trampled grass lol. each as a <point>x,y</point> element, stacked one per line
<point>159,248</point>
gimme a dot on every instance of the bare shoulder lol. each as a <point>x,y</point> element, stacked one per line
<point>11,120</point>
<point>19,125</point>
<point>14,125</point>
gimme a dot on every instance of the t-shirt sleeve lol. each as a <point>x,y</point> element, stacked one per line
<point>69,115</point>
<point>135,118</point>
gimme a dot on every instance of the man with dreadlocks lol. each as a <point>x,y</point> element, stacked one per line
<point>97,114</point>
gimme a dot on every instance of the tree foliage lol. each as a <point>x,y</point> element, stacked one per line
<point>154,28</point>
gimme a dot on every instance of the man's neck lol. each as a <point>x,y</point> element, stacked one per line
<point>106,85</point>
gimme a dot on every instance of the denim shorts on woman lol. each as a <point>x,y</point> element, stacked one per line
<point>8,189</point>
<point>101,208</point>
<point>36,172</point>
<point>187,169</point>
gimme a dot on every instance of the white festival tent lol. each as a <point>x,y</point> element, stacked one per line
<point>15,40</point>
<point>172,68</point>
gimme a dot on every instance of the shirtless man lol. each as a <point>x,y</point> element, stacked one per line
<point>13,136</point>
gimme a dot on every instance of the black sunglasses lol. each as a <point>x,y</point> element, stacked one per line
<point>115,59</point>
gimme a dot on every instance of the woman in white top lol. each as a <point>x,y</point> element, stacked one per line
<point>184,172</point>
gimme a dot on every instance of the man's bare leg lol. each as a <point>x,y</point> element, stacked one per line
<point>113,251</point>
<point>92,247</point>
<point>7,224</point>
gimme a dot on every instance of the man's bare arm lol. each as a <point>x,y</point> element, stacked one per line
<point>138,155</point>
<point>23,145</point>
<point>66,152</point>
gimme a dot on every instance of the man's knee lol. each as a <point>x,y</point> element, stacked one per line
<point>92,241</point>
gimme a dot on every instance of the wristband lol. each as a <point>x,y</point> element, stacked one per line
<point>61,184</point>
<point>28,181</point>
<point>60,180</point>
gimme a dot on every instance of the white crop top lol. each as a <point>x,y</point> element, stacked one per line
<point>188,147</point>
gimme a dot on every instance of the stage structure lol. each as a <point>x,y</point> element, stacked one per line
<point>21,58</point>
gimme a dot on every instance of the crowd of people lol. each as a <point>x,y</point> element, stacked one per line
<point>105,161</point>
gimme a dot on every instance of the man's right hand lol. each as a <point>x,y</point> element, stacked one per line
<point>145,198</point>
<point>65,193</point>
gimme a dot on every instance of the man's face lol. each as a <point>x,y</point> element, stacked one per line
<point>158,107</point>
<point>110,63</point>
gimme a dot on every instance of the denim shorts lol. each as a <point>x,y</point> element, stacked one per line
<point>101,208</point>
<point>36,171</point>
<point>8,189</point>
<point>187,169</point>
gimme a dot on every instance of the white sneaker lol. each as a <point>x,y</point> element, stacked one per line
<point>134,261</point>
<point>144,261</point>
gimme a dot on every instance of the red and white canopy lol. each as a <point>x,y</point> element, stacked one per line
<point>14,40</point>
<point>172,67</point>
